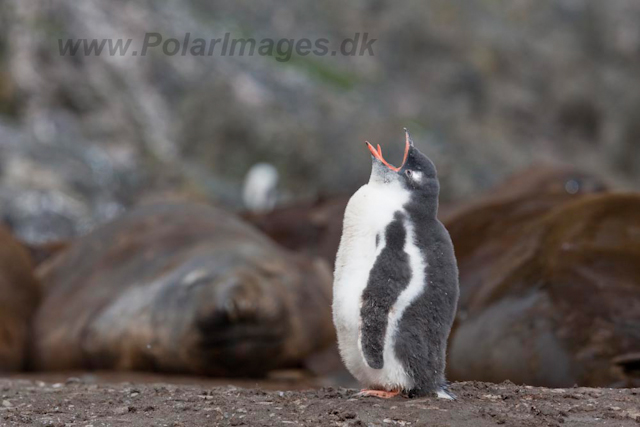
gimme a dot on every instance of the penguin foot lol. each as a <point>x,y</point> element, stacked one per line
<point>382,394</point>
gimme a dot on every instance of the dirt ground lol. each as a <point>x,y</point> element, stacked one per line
<point>83,401</point>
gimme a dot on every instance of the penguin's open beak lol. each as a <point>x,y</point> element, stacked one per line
<point>378,153</point>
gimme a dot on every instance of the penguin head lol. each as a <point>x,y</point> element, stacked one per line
<point>416,174</point>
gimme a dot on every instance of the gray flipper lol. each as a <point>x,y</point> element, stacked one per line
<point>388,277</point>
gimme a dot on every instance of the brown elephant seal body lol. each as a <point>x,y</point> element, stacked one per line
<point>19,295</point>
<point>180,288</point>
<point>489,226</point>
<point>561,305</point>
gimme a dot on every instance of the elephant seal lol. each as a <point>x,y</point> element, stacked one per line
<point>183,288</point>
<point>19,296</point>
<point>485,228</point>
<point>560,305</point>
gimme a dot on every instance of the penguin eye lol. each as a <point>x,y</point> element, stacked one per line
<point>414,176</point>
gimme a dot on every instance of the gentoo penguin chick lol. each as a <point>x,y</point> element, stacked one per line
<point>396,280</point>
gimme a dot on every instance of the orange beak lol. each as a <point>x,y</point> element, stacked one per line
<point>378,153</point>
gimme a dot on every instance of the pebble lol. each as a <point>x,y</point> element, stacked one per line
<point>122,410</point>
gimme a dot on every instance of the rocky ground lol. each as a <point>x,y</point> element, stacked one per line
<point>78,402</point>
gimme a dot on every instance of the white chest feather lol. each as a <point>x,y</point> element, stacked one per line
<point>368,213</point>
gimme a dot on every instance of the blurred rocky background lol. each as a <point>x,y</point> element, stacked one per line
<point>486,87</point>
